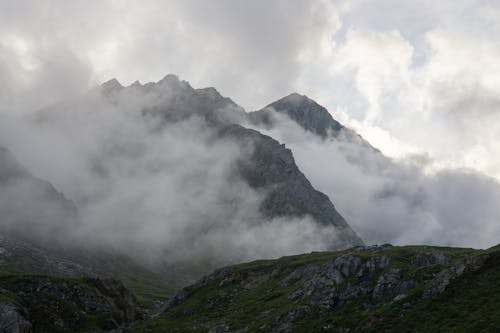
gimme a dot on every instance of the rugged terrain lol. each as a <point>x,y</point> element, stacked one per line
<point>269,167</point>
<point>363,289</point>
<point>53,281</point>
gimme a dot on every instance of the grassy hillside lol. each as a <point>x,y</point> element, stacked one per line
<point>375,289</point>
<point>19,257</point>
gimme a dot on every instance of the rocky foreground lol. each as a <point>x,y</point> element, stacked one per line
<point>363,289</point>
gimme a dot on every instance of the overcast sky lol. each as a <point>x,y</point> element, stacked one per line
<point>410,76</point>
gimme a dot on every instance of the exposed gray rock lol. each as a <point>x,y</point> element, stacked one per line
<point>372,265</point>
<point>270,167</point>
<point>444,277</point>
<point>12,320</point>
<point>405,286</point>
<point>221,328</point>
<point>173,100</point>
<point>386,284</point>
<point>431,258</point>
<point>303,110</point>
<point>124,304</point>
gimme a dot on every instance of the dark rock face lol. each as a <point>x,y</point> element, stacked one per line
<point>431,258</point>
<point>304,111</point>
<point>267,165</point>
<point>44,304</point>
<point>444,277</point>
<point>173,100</point>
<point>12,320</point>
<point>123,302</point>
<point>270,167</point>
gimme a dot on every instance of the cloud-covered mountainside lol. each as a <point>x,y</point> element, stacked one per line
<point>386,201</point>
<point>163,173</point>
<point>180,177</point>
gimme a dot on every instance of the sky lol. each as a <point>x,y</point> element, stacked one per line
<point>419,80</point>
<point>412,77</point>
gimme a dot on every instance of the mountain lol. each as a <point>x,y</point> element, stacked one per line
<point>53,279</point>
<point>310,116</point>
<point>304,111</point>
<point>174,100</point>
<point>270,168</point>
<point>49,272</point>
<point>38,237</point>
<point>363,289</point>
<point>31,207</point>
<point>40,226</point>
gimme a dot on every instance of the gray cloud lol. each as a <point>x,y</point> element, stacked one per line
<point>163,193</point>
<point>397,202</point>
<point>418,76</point>
<point>217,43</point>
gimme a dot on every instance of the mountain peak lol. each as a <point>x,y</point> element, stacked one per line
<point>136,84</point>
<point>173,81</point>
<point>112,84</point>
<point>295,98</point>
<point>170,78</point>
<point>304,111</point>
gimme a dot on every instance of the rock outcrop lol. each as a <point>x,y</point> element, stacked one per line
<point>12,319</point>
<point>47,304</point>
<point>304,111</point>
<point>270,167</point>
<point>357,290</point>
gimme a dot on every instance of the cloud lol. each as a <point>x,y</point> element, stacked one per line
<point>416,77</point>
<point>165,193</point>
<point>398,202</point>
<point>429,88</point>
<point>414,71</point>
<point>209,44</point>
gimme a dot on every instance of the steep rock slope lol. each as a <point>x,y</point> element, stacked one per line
<point>270,167</point>
<point>174,100</point>
<point>267,167</point>
<point>309,115</point>
<point>364,289</point>
<point>304,111</point>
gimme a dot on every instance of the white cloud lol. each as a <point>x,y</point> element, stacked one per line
<point>418,77</point>
<point>397,202</point>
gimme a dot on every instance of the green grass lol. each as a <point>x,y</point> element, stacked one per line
<point>470,304</point>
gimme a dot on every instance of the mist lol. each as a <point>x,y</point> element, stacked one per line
<point>165,193</point>
<point>396,201</point>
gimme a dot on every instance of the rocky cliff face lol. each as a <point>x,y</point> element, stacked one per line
<point>364,289</point>
<point>35,212</point>
<point>269,166</point>
<point>46,304</point>
<point>173,100</point>
<point>310,116</point>
<point>304,111</point>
